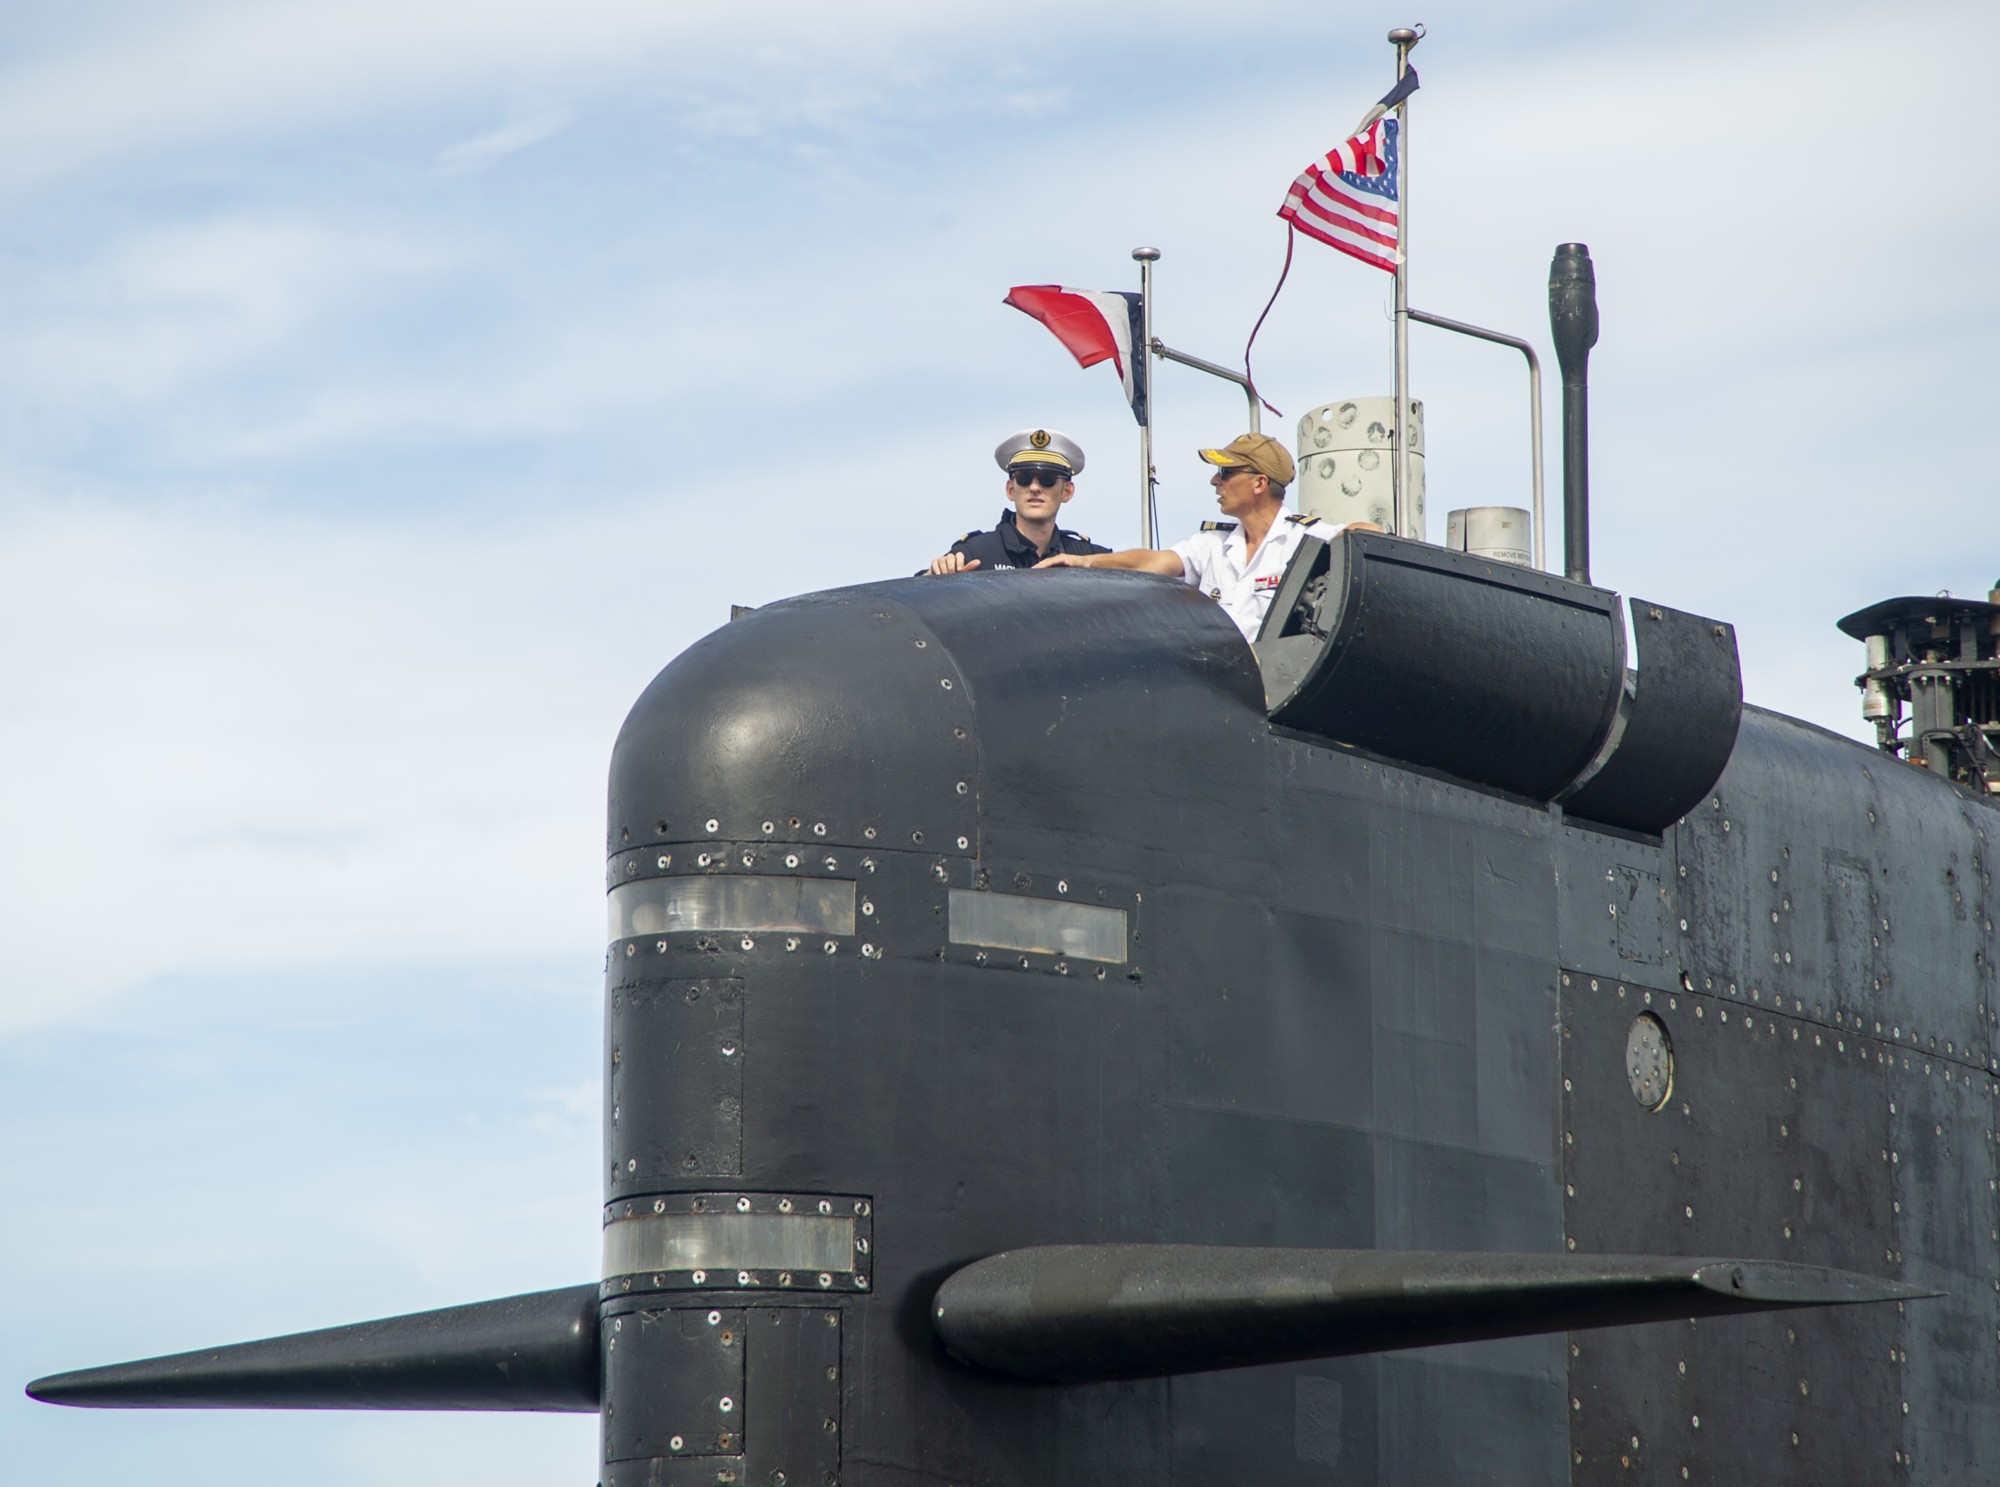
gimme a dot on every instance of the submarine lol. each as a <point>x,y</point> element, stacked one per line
<point>1434,1041</point>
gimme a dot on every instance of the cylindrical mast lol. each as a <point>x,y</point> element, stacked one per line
<point>1573,323</point>
<point>1148,526</point>
<point>1403,38</point>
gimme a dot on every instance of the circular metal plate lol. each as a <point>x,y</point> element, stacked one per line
<point>1649,1061</point>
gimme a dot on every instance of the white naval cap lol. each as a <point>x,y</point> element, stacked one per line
<point>1039,447</point>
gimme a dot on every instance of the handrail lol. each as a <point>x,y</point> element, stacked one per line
<point>1534,406</point>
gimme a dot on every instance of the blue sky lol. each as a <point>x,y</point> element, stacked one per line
<point>389,390</point>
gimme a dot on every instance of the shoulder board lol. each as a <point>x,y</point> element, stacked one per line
<point>969,536</point>
<point>1304,521</point>
<point>1218,526</point>
<point>1076,536</point>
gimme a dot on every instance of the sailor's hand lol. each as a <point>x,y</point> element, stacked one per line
<point>1067,560</point>
<point>954,562</point>
<point>1362,526</point>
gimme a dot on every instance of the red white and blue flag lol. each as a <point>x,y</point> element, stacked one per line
<point>1096,326</point>
<point>1348,198</point>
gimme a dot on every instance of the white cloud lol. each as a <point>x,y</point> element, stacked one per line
<point>509,139</point>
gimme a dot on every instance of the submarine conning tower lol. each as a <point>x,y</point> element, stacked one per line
<point>892,873</point>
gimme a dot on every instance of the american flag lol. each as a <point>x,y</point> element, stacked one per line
<point>1347,198</point>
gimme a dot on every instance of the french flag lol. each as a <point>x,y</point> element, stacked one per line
<point>1095,326</point>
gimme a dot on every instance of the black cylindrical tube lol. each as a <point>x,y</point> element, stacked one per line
<point>1573,322</point>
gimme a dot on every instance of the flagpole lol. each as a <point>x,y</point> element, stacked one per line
<point>1148,527</point>
<point>1403,38</point>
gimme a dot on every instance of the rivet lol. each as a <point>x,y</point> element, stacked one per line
<point>742,1277</point>
<point>832,864</point>
<point>962,788</point>
<point>665,858</point>
<point>791,942</point>
<point>861,1207</point>
<point>963,844</point>
<point>748,943</point>
<point>791,859</point>
<point>726,1404</point>
<point>819,828</point>
<point>714,1318</point>
<point>675,1444</point>
<point>867,907</point>
<point>945,682</point>
<point>713,824</point>
<point>699,1277</point>
<point>769,827</point>
<point>825,1206</point>
<point>830,947</point>
<point>825,1280</point>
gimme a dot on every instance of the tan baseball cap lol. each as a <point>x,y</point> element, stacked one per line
<point>1259,452</point>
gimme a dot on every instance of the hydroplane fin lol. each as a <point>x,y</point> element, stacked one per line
<point>1080,1313</point>
<point>535,1352</point>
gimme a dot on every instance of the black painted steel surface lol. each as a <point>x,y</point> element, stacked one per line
<point>1487,671</point>
<point>1084,1313</point>
<point>535,1352</point>
<point>1679,729</point>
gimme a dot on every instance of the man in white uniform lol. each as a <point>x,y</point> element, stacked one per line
<point>1237,563</point>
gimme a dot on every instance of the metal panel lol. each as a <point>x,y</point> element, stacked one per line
<point>1683,1180</point>
<point>676,1082</point>
<point>1486,671</point>
<point>1041,926</point>
<point>792,699</point>
<point>731,902</point>
<point>673,1385</point>
<point>794,1385</point>
<point>1681,725</point>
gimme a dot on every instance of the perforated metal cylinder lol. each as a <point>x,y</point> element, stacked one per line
<point>1347,461</point>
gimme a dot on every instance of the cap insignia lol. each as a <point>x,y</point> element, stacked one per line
<point>1039,438</point>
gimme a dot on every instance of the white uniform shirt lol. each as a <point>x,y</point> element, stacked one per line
<point>1212,560</point>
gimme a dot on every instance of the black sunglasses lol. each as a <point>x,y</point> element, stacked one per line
<point>1047,475</point>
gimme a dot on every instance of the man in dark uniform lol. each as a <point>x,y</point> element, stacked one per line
<point>1041,466</point>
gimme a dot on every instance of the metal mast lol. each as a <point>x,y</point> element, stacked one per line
<point>1403,38</point>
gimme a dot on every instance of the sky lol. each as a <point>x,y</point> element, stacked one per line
<point>387,391</point>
